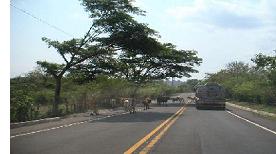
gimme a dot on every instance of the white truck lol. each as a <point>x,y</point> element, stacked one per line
<point>210,96</point>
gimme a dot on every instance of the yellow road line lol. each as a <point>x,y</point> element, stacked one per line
<point>158,137</point>
<point>144,139</point>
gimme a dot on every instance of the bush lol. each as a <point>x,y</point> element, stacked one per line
<point>21,106</point>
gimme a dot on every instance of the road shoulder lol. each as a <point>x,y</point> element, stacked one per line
<point>268,122</point>
<point>74,118</point>
<point>263,113</point>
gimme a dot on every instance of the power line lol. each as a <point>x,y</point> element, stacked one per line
<point>41,20</point>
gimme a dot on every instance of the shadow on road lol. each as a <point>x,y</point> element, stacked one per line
<point>147,116</point>
<point>169,105</point>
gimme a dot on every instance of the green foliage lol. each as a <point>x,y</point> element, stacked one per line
<point>21,105</point>
<point>27,92</point>
<point>269,64</point>
<point>43,97</point>
<point>30,92</point>
<point>161,64</point>
<point>155,88</point>
<point>51,68</point>
<point>264,61</point>
<point>189,85</point>
<point>140,57</point>
<point>111,87</point>
<point>111,15</point>
<point>245,91</point>
<point>21,99</point>
<point>245,83</point>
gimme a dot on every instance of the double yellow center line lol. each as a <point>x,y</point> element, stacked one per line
<point>165,125</point>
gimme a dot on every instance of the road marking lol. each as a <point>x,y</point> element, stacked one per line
<point>48,129</point>
<point>149,135</point>
<point>159,136</point>
<point>68,125</point>
<point>258,125</point>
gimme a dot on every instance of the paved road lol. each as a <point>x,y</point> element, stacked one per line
<point>195,131</point>
<point>215,132</point>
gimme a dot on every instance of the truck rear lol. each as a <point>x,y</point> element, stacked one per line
<point>210,96</point>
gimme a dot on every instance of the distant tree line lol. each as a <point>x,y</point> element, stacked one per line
<point>255,84</point>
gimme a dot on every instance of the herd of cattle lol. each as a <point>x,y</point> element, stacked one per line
<point>208,95</point>
<point>129,104</point>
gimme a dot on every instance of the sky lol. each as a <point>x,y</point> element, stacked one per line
<point>221,31</point>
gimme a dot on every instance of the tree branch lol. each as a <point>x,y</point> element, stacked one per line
<point>64,58</point>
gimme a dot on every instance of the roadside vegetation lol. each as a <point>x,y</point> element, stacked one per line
<point>251,86</point>
<point>32,95</point>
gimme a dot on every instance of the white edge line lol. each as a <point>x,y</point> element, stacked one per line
<point>258,125</point>
<point>67,125</point>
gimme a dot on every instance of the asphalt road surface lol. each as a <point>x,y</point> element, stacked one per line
<point>166,130</point>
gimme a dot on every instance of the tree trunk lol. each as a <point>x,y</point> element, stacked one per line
<point>57,97</point>
<point>134,94</point>
<point>66,106</point>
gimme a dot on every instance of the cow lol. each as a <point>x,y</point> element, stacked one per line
<point>129,105</point>
<point>146,102</point>
<point>162,100</point>
<point>132,105</point>
<point>125,103</point>
<point>178,98</point>
<point>192,99</point>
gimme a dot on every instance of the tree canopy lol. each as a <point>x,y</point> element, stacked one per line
<point>265,61</point>
<point>116,44</point>
<point>167,62</point>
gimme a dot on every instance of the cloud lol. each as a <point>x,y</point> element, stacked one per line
<point>244,14</point>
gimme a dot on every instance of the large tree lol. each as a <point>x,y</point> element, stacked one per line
<point>140,56</point>
<point>106,16</point>
<point>73,52</point>
<point>167,62</point>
